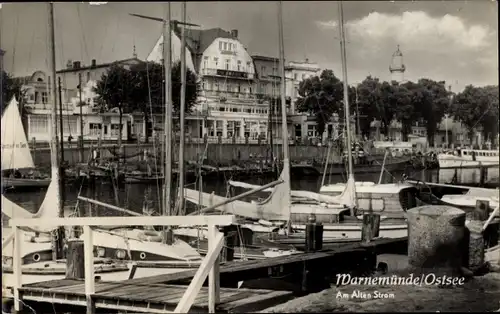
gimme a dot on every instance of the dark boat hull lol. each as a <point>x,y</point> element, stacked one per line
<point>20,183</point>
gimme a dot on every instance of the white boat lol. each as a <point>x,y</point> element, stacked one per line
<point>16,154</point>
<point>468,158</point>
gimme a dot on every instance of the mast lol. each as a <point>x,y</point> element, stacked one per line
<point>57,252</point>
<point>167,64</point>
<point>81,118</point>
<point>346,88</point>
<point>182,109</point>
<point>284,129</point>
<point>61,124</point>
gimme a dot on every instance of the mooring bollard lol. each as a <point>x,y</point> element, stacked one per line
<point>435,238</point>
<point>314,235</point>
<point>476,237</point>
<point>75,262</point>
<point>370,228</point>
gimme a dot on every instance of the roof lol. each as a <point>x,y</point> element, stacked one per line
<point>102,65</point>
<point>264,58</point>
<point>199,40</point>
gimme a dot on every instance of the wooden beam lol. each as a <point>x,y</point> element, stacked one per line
<point>199,278</point>
<point>7,240</point>
<point>17,261</point>
<point>214,275</point>
<point>215,220</point>
<point>88,236</point>
<point>493,214</point>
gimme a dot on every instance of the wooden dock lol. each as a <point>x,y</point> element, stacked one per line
<point>144,298</point>
<point>311,272</point>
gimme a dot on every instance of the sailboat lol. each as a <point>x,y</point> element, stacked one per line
<point>284,207</point>
<point>122,244</point>
<point>16,153</point>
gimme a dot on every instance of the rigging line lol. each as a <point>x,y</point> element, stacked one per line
<point>81,28</point>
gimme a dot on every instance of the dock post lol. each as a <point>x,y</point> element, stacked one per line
<point>370,228</point>
<point>476,237</point>
<point>483,174</point>
<point>75,260</point>
<point>214,274</point>
<point>17,261</point>
<point>89,267</point>
<point>314,234</point>
<point>230,240</point>
<point>435,238</point>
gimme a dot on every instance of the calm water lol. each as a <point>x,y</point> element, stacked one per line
<point>135,196</point>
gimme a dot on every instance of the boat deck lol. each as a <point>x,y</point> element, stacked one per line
<point>147,298</point>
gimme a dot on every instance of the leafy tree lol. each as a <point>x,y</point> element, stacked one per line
<point>368,100</point>
<point>432,103</point>
<point>403,106</point>
<point>321,97</point>
<point>114,90</point>
<point>477,106</point>
<point>489,122</point>
<point>10,88</point>
<point>148,92</point>
<point>386,105</point>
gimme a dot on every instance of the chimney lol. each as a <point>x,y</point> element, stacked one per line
<point>234,33</point>
<point>307,60</point>
<point>69,64</point>
<point>76,64</point>
<point>94,63</point>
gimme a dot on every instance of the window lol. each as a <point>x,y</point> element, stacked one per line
<point>222,109</point>
<point>295,76</point>
<point>225,46</point>
<point>39,124</point>
<point>115,130</point>
<point>95,129</point>
<point>239,65</point>
<point>219,127</point>
<point>298,130</point>
<point>205,62</point>
<point>88,76</point>
<point>227,64</point>
<point>275,71</point>
<point>263,70</point>
<point>230,129</point>
<point>216,86</point>
<point>220,45</point>
<point>239,88</point>
<point>216,60</point>
<point>44,97</point>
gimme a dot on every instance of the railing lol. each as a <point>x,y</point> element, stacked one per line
<point>209,266</point>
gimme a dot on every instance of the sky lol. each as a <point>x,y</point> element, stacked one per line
<point>454,41</point>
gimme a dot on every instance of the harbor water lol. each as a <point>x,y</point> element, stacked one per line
<point>135,197</point>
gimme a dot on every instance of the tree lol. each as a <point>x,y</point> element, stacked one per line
<point>114,89</point>
<point>432,103</point>
<point>404,107</point>
<point>10,88</point>
<point>477,106</point>
<point>321,97</point>
<point>148,92</point>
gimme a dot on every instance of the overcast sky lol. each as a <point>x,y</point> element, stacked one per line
<point>455,41</point>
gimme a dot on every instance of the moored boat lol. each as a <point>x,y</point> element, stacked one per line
<point>468,158</point>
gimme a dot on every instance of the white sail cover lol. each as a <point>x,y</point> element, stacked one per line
<point>347,198</point>
<point>49,208</point>
<point>275,208</point>
<point>16,153</point>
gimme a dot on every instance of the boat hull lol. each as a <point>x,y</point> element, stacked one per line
<point>397,165</point>
<point>25,183</point>
<point>450,161</point>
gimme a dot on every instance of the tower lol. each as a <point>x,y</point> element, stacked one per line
<point>397,67</point>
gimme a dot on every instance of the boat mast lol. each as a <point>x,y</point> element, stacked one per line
<point>346,89</point>
<point>284,127</point>
<point>182,109</point>
<point>167,64</point>
<point>57,251</point>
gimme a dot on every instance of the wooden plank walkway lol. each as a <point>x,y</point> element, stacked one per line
<point>147,298</point>
<point>342,258</point>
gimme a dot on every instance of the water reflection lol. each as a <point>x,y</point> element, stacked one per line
<point>134,197</point>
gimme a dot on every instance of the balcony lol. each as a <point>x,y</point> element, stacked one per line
<point>228,74</point>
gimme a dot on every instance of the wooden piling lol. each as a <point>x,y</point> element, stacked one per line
<point>370,228</point>
<point>75,262</point>
<point>314,235</point>
<point>435,238</point>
